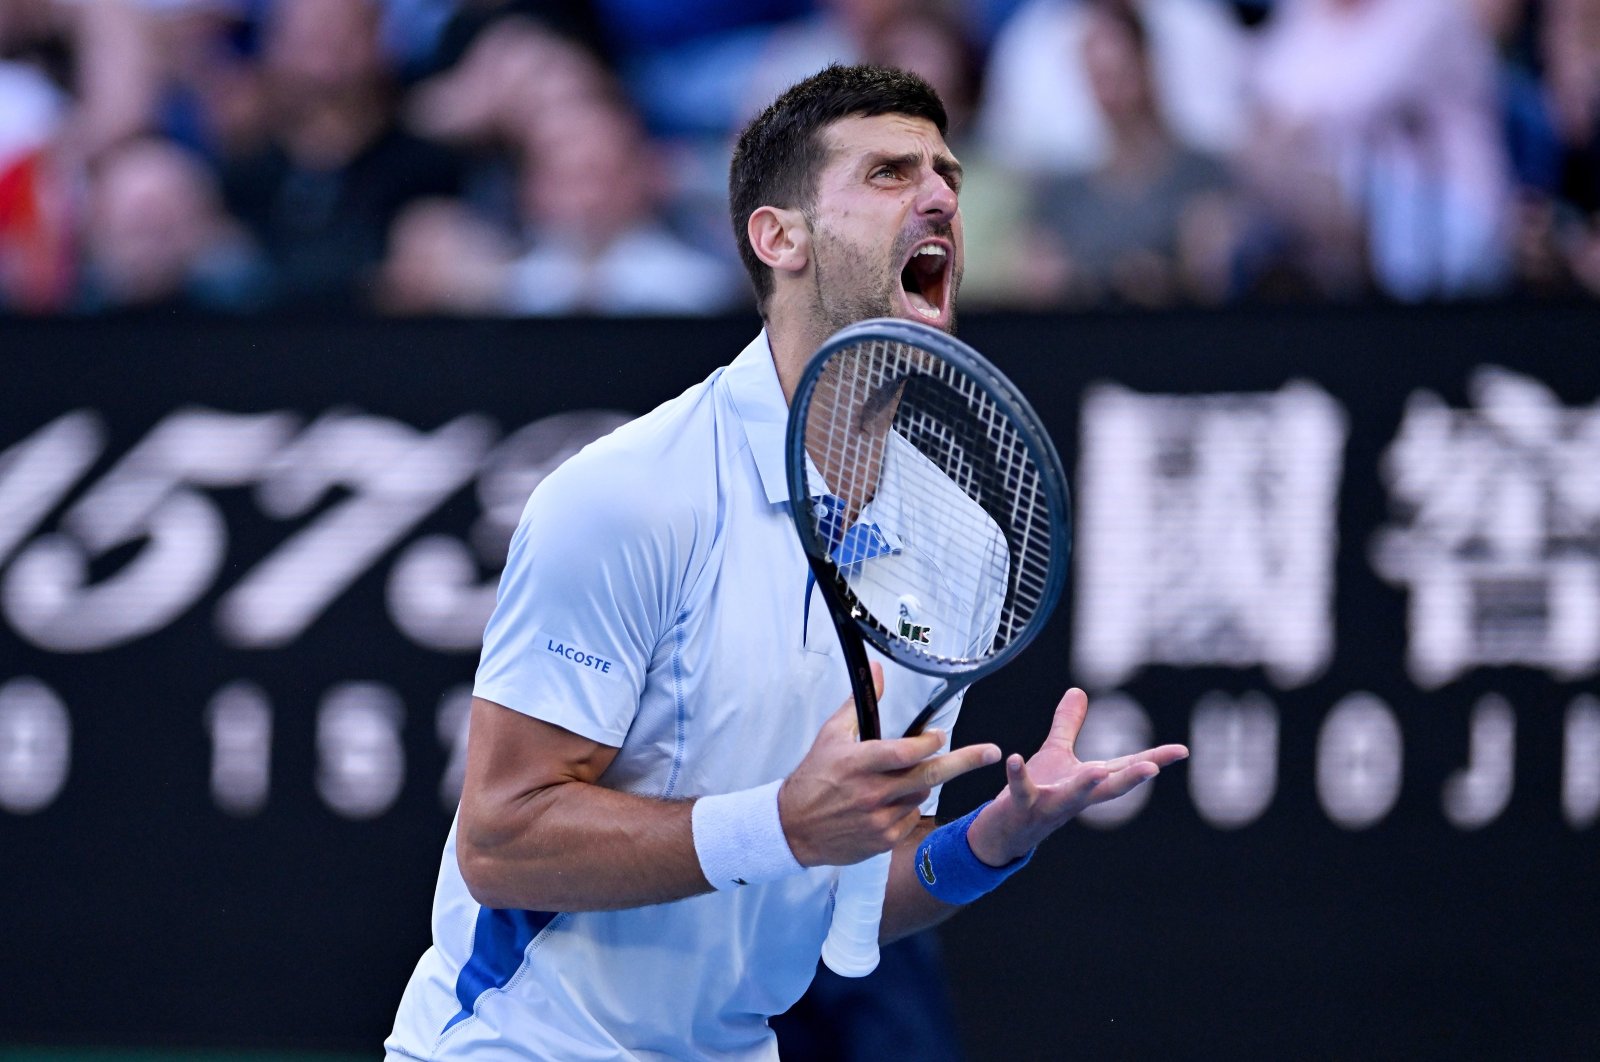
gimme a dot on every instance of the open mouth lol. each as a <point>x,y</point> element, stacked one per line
<point>926,280</point>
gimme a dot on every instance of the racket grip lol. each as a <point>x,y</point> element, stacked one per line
<point>851,949</point>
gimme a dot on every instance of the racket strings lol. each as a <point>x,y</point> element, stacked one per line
<point>905,437</point>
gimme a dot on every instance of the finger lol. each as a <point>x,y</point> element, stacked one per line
<point>841,725</point>
<point>911,799</point>
<point>1068,720</point>
<point>922,776</point>
<point>1162,756</point>
<point>940,769</point>
<point>1023,792</point>
<point>1073,787</point>
<point>893,754</point>
<point>1120,782</point>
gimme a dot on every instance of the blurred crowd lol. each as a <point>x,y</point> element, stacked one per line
<point>525,157</point>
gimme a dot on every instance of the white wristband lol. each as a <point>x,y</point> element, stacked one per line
<point>739,839</point>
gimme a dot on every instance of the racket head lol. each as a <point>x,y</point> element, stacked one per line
<point>926,491</point>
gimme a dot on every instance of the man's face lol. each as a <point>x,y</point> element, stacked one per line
<point>885,223</point>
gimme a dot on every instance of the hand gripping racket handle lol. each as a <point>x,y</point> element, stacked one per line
<point>851,949</point>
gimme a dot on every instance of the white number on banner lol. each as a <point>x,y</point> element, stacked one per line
<point>361,762</point>
<point>239,718</point>
<point>1580,770</point>
<point>1359,754</point>
<point>1475,795</point>
<point>395,476</point>
<point>146,502</point>
<point>35,746</point>
<point>37,472</point>
<point>1233,770</point>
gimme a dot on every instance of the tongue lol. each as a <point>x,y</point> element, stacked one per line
<point>921,304</point>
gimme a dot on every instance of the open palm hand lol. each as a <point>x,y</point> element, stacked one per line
<point>1051,787</point>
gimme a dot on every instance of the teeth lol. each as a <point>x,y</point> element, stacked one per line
<point>930,249</point>
<point>930,313</point>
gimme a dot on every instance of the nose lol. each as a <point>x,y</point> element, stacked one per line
<point>936,198</point>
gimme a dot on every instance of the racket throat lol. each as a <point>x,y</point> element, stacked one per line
<point>866,700</point>
<point>854,648</point>
<point>940,698</point>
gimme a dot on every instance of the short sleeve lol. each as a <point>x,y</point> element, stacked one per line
<point>581,602</point>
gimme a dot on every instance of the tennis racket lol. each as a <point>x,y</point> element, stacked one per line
<point>933,511</point>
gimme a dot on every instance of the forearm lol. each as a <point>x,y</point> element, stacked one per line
<point>907,906</point>
<point>576,846</point>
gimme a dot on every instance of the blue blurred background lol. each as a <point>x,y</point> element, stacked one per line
<point>539,157</point>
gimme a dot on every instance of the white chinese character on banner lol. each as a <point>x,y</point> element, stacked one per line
<point>1207,530</point>
<point>1498,530</point>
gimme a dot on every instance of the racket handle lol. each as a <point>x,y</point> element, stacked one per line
<point>851,949</point>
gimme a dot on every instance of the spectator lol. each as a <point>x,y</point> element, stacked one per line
<point>926,39</point>
<point>598,244</point>
<point>337,172</point>
<point>1527,119</point>
<point>50,134</point>
<point>576,21</point>
<point>34,265</point>
<point>1533,143</point>
<point>1390,104</point>
<point>547,122</point>
<point>1038,112</point>
<point>157,235</point>
<point>445,258</point>
<point>490,104</point>
<point>1571,50</point>
<point>212,99</point>
<point>1152,224</point>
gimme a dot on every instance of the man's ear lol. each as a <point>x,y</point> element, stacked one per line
<point>780,237</point>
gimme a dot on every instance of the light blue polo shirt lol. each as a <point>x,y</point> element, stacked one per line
<point>655,600</point>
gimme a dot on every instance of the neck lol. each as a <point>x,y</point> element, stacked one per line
<point>794,335</point>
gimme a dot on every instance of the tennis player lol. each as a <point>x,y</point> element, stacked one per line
<point>661,777</point>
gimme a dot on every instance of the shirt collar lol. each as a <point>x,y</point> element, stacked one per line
<point>753,389</point>
<point>752,386</point>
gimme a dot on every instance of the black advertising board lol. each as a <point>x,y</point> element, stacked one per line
<point>1352,557</point>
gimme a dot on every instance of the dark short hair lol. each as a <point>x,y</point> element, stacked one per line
<point>780,153</point>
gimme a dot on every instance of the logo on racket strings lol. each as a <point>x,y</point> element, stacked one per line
<point>908,627</point>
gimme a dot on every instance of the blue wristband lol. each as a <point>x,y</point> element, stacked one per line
<point>950,871</point>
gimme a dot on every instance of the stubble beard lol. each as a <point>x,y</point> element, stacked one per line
<point>849,288</point>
